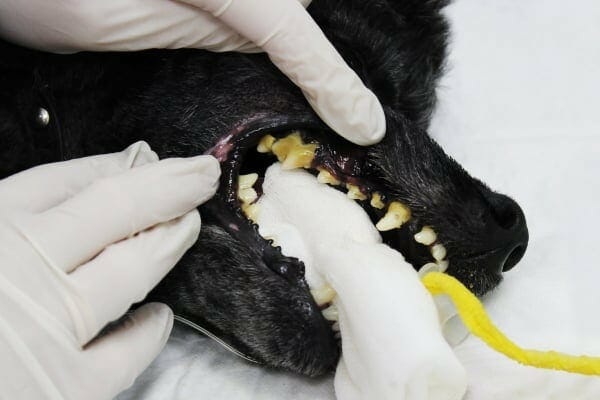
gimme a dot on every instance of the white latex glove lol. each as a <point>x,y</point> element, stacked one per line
<point>81,241</point>
<point>282,28</point>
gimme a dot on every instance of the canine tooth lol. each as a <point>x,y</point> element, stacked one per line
<point>354,192</point>
<point>247,195</point>
<point>326,177</point>
<point>251,211</point>
<point>335,327</point>
<point>443,265</point>
<point>438,251</point>
<point>323,295</point>
<point>247,181</point>
<point>265,144</point>
<point>300,157</point>
<point>429,267</point>
<point>330,313</point>
<point>376,201</point>
<point>396,215</point>
<point>427,236</point>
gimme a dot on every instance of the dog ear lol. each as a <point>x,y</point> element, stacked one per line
<point>365,31</point>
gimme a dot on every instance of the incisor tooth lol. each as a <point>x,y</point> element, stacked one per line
<point>427,236</point>
<point>396,215</point>
<point>330,313</point>
<point>376,201</point>
<point>247,181</point>
<point>323,295</point>
<point>251,211</point>
<point>443,265</point>
<point>429,267</point>
<point>247,195</point>
<point>326,177</point>
<point>438,251</point>
<point>354,192</point>
<point>265,144</point>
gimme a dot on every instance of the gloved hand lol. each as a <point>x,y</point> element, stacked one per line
<point>80,242</point>
<point>282,28</point>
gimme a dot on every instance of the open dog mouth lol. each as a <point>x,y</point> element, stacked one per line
<point>246,153</point>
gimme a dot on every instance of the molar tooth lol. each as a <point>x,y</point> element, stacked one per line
<point>354,192</point>
<point>443,265</point>
<point>376,201</point>
<point>300,157</point>
<point>247,181</point>
<point>438,251</point>
<point>330,313</point>
<point>247,195</point>
<point>427,236</point>
<point>326,177</point>
<point>323,295</point>
<point>396,215</point>
<point>265,144</point>
<point>282,147</point>
<point>251,211</point>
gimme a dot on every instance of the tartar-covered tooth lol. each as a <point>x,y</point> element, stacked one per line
<point>427,236</point>
<point>300,157</point>
<point>438,251</point>
<point>396,215</point>
<point>251,211</point>
<point>354,192</point>
<point>247,181</point>
<point>376,201</point>
<point>330,313</point>
<point>326,177</point>
<point>443,265</point>
<point>247,195</point>
<point>293,153</point>
<point>323,295</point>
<point>265,144</point>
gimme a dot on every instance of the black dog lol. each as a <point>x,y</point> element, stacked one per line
<point>188,102</point>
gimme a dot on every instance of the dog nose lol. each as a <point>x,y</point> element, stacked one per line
<point>512,235</point>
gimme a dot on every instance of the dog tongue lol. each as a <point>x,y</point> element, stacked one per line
<point>392,345</point>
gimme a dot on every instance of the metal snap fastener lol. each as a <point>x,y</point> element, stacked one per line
<point>43,117</point>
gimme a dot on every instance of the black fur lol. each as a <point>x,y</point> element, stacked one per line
<point>182,102</point>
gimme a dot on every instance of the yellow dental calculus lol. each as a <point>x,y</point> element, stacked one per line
<point>292,152</point>
<point>251,211</point>
<point>376,201</point>
<point>396,215</point>
<point>265,144</point>
<point>354,192</point>
<point>326,177</point>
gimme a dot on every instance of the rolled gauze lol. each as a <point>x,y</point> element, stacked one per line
<point>392,345</point>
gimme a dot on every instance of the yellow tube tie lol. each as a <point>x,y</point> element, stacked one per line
<point>476,320</point>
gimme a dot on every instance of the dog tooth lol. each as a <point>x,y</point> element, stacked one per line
<point>335,327</point>
<point>376,201</point>
<point>337,335</point>
<point>247,195</point>
<point>443,265</point>
<point>300,157</point>
<point>326,177</point>
<point>247,181</point>
<point>354,192</point>
<point>429,267</point>
<point>438,251</point>
<point>282,147</point>
<point>330,313</point>
<point>427,236</point>
<point>265,144</point>
<point>323,295</point>
<point>251,211</point>
<point>396,215</point>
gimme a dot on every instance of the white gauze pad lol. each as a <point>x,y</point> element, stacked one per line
<point>392,345</point>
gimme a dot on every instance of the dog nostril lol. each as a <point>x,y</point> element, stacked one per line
<point>513,258</point>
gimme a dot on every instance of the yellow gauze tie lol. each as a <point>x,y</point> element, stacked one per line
<point>474,317</point>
